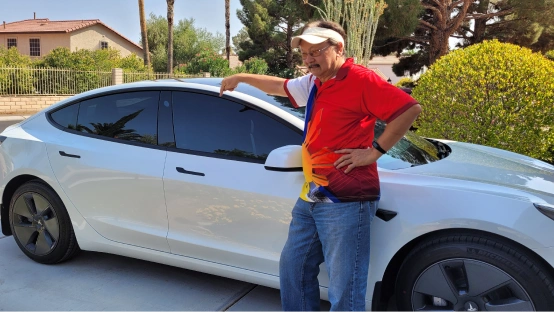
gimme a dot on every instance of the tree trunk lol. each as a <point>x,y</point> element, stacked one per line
<point>480,24</point>
<point>144,34</point>
<point>479,31</point>
<point>170,5</point>
<point>289,55</point>
<point>444,24</point>
<point>227,31</point>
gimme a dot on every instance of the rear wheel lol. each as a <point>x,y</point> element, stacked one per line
<point>40,224</point>
<point>473,273</point>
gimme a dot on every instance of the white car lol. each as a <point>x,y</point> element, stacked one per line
<point>168,171</point>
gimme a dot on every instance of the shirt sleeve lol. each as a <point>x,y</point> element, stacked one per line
<point>384,100</point>
<point>298,89</point>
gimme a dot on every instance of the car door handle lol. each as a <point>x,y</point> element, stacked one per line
<point>181,170</point>
<point>69,155</point>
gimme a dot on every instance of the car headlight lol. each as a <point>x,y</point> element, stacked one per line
<point>546,209</point>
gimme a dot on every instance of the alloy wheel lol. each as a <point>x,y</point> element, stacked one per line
<point>468,285</point>
<point>35,223</point>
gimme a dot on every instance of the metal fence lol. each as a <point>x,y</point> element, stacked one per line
<point>54,81</point>
<point>50,81</point>
<point>133,77</point>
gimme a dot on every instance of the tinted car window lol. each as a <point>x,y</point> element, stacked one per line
<point>212,124</point>
<point>67,116</point>
<point>126,116</point>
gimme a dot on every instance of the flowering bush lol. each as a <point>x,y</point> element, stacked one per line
<point>550,55</point>
<point>492,93</point>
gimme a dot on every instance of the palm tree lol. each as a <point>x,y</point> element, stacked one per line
<point>143,33</point>
<point>170,5</point>
<point>227,31</point>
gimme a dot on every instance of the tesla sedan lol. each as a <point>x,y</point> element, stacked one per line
<point>168,171</point>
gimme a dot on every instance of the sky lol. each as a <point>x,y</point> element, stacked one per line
<point>123,15</point>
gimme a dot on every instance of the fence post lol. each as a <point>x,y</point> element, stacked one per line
<point>117,76</point>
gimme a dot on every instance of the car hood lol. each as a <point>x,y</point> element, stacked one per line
<point>479,163</point>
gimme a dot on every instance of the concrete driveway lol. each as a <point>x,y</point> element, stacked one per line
<point>97,281</point>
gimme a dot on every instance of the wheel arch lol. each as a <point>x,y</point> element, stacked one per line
<point>9,190</point>
<point>383,292</point>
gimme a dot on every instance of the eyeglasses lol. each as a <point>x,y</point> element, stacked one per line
<point>315,53</point>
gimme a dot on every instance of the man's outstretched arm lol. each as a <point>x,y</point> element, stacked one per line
<point>268,84</point>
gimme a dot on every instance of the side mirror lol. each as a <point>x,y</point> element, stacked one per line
<point>286,158</point>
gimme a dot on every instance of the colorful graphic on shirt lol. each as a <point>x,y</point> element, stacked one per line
<point>313,189</point>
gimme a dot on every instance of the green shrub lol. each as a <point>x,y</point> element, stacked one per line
<point>493,94</point>
<point>19,79</point>
<point>550,55</point>
<point>12,58</point>
<point>86,60</point>
<point>405,82</point>
<point>206,61</point>
<point>87,64</point>
<point>132,63</point>
<point>255,65</point>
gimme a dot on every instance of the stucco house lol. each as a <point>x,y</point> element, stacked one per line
<point>234,61</point>
<point>384,65</point>
<point>38,36</point>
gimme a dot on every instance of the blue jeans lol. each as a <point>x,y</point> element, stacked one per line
<point>334,233</point>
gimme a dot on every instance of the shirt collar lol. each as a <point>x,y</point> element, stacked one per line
<point>344,69</point>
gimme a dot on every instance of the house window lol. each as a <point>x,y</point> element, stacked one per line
<point>12,42</point>
<point>103,45</point>
<point>34,47</point>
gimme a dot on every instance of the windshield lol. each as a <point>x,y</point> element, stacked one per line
<point>411,150</point>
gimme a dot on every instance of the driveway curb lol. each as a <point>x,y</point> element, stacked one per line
<point>13,117</point>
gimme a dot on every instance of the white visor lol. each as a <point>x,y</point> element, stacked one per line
<point>315,35</point>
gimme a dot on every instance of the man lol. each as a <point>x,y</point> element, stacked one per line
<point>331,219</point>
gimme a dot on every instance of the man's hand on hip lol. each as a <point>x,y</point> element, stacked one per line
<point>356,158</point>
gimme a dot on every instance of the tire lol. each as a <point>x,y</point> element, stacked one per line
<point>40,224</point>
<point>473,272</point>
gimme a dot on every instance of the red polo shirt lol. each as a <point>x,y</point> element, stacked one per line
<point>343,116</point>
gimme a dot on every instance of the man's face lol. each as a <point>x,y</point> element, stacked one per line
<point>321,58</point>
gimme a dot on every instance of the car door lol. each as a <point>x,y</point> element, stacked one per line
<point>223,205</point>
<point>110,165</point>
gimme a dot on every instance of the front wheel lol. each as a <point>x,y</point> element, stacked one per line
<point>40,224</point>
<point>473,273</point>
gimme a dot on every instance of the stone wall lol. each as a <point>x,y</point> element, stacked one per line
<point>12,105</point>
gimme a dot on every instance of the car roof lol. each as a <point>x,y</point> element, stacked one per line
<point>279,101</point>
<point>204,84</point>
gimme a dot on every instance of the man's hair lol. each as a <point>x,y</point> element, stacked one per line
<point>329,25</point>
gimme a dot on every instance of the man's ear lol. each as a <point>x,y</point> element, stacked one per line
<point>340,48</point>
